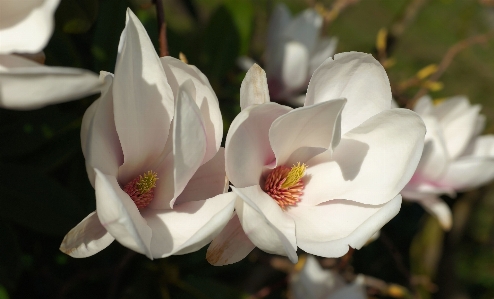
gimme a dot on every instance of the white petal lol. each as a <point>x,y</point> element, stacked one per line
<point>295,67</point>
<point>468,172</point>
<point>355,290</point>
<point>245,63</point>
<point>330,228</point>
<point>86,238</point>
<point>265,223</point>
<point>230,246</point>
<point>482,146</point>
<point>25,84</point>
<point>177,73</point>
<point>143,101</point>
<point>280,18</point>
<point>325,48</point>
<point>372,163</point>
<point>305,28</point>
<point>254,88</point>
<point>247,149</point>
<point>189,226</point>
<point>208,181</point>
<point>120,216</point>
<point>438,208</point>
<point>26,26</point>
<point>100,143</point>
<point>458,120</point>
<point>306,132</point>
<point>360,79</point>
<point>424,106</point>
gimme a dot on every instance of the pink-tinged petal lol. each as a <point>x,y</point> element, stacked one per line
<point>189,226</point>
<point>372,163</point>
<point>482,146</point>
<point>325,48</point>
<point>208,181</point>
<point>458,120</point>
<point>247,149</point>
<point>254,88</point>
<point>280,18</point>
<point>314,282</point>
<point>120,216</point>
<point>26,26</point>
<point>230,246</point>
<point>265,223</point>
<point>143,101</point>
<point>468,173</point>
<point>306,132</point>
<point>295,66</point>
<point>86,238</point>
<point>25,84</point>
<point>424,106</point>
<point>177,73</point>
<point>189,147</point>
<point>330,228</point>
<point>305,28</point>
<point>360,79</point>
<point>99,139</point>
<point>439,209</point>
<point>435,157</point>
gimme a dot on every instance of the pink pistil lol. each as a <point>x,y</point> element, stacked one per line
<point>288,196</point>
<point>141,200</point>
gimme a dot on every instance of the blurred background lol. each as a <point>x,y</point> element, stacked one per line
<point>45,191</point>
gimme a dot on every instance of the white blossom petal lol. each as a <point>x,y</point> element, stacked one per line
<point>254,88</point>
<point>468,173</point>
<point>295,66</point>
<point>325,48</point>
<point>305,28</point>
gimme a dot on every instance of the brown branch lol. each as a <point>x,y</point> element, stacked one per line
<point>448,59</point>
<point>163,43</point>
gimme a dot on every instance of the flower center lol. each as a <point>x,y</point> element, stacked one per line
<point>141,189</point>
<point>285,185</point>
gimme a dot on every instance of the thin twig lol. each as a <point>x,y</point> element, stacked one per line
<point>448,58</point>
<point>163,43</point>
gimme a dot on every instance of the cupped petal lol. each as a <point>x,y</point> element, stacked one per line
<point>359,78</point>
<point>325,48</point>
<point>177,72</point>
<point>143,101</point>
<point>230,246</point>
<point>458,120</point>
<point>25,84</point>
<point>26,26</point>
<point>468,173</point>
<point>265,223</point>
<point>208,181</point>
<point>330,228</point>
<point>247,149</point>
<point>305,28</point>
<point>306,132</point>
<point>189,226</point>
<point>439,209</point>
<point>295,66</point>
<point>254,89</point>
<point>372,163</point>
<point>99,139</point>
<point>119,215</point>
<point>86,238</point>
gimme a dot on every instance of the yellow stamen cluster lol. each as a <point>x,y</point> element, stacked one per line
<point>295,174</point>
<point>147,182</point>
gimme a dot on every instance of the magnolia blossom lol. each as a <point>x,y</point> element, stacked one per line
<point>294,50</point>
<point>313,282</point>
<point>322,177</point>
<point>455,157</point>
<point>25,27</point>
<point>152,149</point>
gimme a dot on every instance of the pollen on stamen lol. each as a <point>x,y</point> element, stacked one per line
<point>141,189</point>
<point>285,185</point>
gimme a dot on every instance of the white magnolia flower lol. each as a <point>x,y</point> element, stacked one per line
<point>455,157</point>
<point>294,50</point>
<point>313,282</point>
<point>25,27</point>
<point>322,177</point>
<point>152,149</point>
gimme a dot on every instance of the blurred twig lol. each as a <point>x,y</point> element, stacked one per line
<point>407,17</point>
<point>163,43</point>
<point>448,58</point>
<point>329,15</point>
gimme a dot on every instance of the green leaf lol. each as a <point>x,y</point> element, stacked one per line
<point>76,16</point>
<point>10,255</point>
<point>32,199</point>
<point>3,293</point>
<point>242,12</point>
